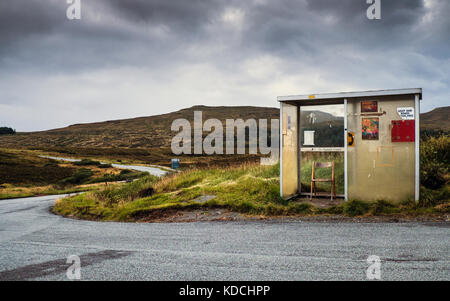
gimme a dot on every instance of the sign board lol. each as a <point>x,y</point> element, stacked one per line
<point>403,130</point>
<point>406,113</point>
<point>308,137</point>
<point>175,163</point>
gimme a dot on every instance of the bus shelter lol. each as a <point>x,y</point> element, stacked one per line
<point>373,136</point>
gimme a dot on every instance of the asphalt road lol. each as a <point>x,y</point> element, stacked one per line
<point>34,245</point>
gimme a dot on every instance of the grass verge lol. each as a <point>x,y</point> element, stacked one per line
<point>249,189</point>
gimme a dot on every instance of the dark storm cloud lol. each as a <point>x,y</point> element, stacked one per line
<point>180,14</point>
<point>21,17</point>
<point>289,27</point>
<point>327,22</point>
<point>394,11</point>
<point>37,35</point>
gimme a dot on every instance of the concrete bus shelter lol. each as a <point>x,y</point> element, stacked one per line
<point>381,143</point>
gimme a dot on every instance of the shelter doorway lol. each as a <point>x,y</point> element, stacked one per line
<point>321,130</point>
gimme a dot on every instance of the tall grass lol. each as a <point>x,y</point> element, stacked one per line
<point>113,195</point>
<point>250,189</point>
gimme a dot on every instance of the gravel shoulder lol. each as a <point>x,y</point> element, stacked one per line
<point>223,214</point>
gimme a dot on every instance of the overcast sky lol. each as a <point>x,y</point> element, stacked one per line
<point>142,57</point>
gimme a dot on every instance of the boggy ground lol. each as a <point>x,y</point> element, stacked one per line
<point>23,173</point>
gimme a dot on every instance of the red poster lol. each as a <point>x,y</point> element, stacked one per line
<point>369,106</point>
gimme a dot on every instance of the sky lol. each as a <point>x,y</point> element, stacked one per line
<point>133,58</point>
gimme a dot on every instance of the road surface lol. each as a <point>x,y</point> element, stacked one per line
<point>34,245</point>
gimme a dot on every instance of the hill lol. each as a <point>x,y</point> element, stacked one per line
<point>147,139</point>
<point>141,132</point>
<point>142,139</point>
<point>436,119</point>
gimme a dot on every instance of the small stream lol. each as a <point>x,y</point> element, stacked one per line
<point>151,170</point>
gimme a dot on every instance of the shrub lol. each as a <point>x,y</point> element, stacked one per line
<point>383,207</point>
<point>296,208</point>
<point>434,161</point>
<point>272,209</point>
<point>356,207</point>
<point>104,165</point>
<point>427,133</point>
<point>180,180</point>
<point>7,131</point>
<point>332,210</point>
<point>126,193</point>
<point>443,208</point>
<point>51,165</point>
<point>430,197</point>
<point>243,206</point>
<point>148,191</point>
<point>432,175</point>
<point>86,162</point>
<point>79,177</point>
<point>111,177</point>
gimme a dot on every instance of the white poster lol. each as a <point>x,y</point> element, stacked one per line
<point>308,138</point>
<point>406,113</point>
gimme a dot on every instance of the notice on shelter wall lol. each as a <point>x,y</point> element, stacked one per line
<point>406,113</point>
<point>369,106</point>
<point>308,138</point>
<point>370,128</point>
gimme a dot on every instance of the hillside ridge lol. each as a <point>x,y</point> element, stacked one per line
<point>154,131</point>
